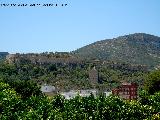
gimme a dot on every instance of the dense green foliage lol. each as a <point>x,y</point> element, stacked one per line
<point>21,98</point>
<point>66,77</point>
<point>152,83</point>
<point>17,80</point>
<point>87,108</point>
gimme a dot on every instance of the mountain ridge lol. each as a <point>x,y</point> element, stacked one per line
<point>137,48</point>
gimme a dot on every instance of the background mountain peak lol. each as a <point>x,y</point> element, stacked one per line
<point>137,48</point>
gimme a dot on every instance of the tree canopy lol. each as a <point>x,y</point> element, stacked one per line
<point>152,82</point>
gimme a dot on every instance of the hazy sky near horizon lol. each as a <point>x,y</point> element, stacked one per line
<point>81,22</point>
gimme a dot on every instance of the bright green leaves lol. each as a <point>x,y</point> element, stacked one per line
<point>9,102</point>
<point>152,83</point>
<point>12,106</point>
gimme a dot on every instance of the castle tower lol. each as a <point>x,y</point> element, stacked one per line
<point>93,75</point>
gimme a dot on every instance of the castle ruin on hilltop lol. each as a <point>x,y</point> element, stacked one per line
<point>43,58</point>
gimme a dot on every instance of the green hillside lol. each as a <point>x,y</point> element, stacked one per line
<point>138,48</point>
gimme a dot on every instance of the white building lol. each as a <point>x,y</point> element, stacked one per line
<point>73,93</point>
<point>107,93</point>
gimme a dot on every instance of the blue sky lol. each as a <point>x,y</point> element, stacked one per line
<point>81,22</point>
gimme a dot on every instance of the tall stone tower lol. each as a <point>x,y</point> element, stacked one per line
<point>93,75</point>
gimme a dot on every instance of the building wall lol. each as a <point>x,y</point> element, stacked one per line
<point>126,91</point>
<point>93,75</point>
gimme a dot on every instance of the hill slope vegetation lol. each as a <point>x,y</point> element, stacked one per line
<point>138,48</point>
